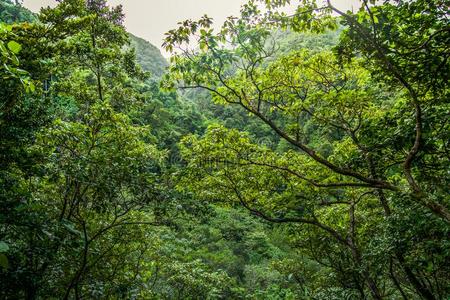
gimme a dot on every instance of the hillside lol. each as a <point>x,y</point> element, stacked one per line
<point>11,13</point>
<point>148,56</point>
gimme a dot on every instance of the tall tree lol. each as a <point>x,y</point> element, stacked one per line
<point>93,171</point>
<point>348,132</point>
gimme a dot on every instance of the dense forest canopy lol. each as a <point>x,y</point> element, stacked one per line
<point>283,156</point>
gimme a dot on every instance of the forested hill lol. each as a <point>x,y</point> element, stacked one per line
<point>11,12</point>
<point>149,56</point>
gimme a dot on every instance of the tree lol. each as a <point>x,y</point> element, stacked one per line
<point>346,132</point>
<point>92,171</point>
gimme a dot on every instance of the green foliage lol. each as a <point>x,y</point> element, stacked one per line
<point>83,171</point>
<point>346,167</point>
<point>13,12</point>
<point>10,70</point>
<point>299,159</point>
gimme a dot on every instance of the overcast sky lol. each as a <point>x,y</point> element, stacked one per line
<point>150,19</point>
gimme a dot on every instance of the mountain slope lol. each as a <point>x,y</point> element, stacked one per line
<point>11,13</point>
<point>149,56</point>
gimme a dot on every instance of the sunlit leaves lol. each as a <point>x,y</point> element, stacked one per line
<point>14,47</point>
<point>228,166</point>
<point>333,112</point>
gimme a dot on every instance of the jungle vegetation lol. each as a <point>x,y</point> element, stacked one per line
<point>283,156</point>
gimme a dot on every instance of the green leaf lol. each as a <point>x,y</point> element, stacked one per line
<point>14,46</point>
<point>3,49</point>
<point>31,87</point>
<point>375,20</point>
<point>3,247</point>
<point>15,60</point>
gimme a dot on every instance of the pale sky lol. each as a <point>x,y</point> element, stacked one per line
<point>150,19</point>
